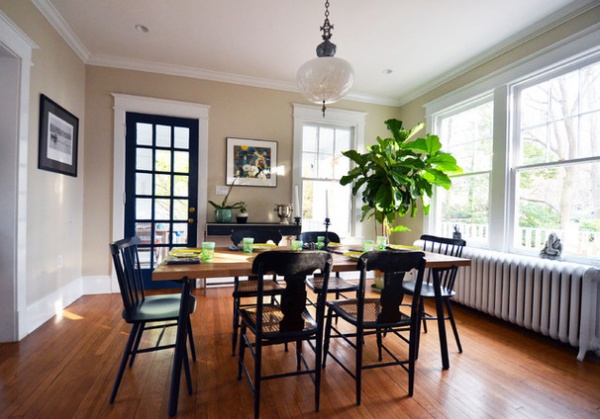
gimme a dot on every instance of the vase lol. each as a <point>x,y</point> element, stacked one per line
<point>223,215</point>
<point>242,218</point>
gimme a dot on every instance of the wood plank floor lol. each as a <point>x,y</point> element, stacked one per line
<point>66,368</point>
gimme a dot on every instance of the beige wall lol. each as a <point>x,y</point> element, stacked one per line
<point>235,111</point>
<point>54,201</point>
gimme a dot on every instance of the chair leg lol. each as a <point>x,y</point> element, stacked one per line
<point>242,350</point>
<point>422,312</point>
<point>417,338</point>
<point>136,345</point>
<point>191,339</point>
<point>359,352</point>
<point>327,337</point>
<point>413,351</point>
<point>298,355</point>
<point>257,378</point>
<point>318,371</point>
<point>379,345</point>
<point>453,323</point>
<point>128,350</point>
<point>235,324</point>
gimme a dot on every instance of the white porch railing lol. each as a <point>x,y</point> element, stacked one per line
<point>580,243</point>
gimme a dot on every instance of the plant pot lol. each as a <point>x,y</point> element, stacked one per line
<point>242,218</point>
<point>223,215</point>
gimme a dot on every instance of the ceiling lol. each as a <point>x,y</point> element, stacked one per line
<point>263,42</point>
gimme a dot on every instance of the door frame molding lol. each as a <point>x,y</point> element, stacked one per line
<point>15,45</point>
<point>154,106</point>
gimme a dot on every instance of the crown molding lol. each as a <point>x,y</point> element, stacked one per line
<point>560,17</point>
<point>203,74</point>
<point>546,25</point>
<point>58,23</point>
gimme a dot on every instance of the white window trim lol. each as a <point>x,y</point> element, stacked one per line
<point>336,117</point>
<point>500,82</point>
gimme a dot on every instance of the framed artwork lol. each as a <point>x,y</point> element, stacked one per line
<point>251,162</point>
<point>58,138</point>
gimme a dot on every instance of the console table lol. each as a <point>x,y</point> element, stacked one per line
<point>225,229</point>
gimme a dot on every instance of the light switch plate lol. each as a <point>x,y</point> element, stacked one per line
<point>221,190</point>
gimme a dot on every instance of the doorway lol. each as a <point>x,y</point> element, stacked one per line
<point>124,104</point>
<point>161,186</point>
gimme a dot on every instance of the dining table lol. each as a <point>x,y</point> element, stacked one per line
<point>229,262</point>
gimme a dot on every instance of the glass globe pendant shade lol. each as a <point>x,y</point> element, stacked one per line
<point>325,80</point>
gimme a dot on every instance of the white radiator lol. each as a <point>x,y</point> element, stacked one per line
<point>556,299</point>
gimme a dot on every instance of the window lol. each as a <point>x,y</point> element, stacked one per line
<point>323,165</point>
<point>557,162</point>
<point>528,140</point>
<point>466,133</point>
<point>319,166</point>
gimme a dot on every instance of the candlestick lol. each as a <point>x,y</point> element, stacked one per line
<point>327,223</point>
<point>326,203</point>
<point>296,202</point>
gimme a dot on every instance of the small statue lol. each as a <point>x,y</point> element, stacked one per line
<point>456,234</point>
<point>553,248</point>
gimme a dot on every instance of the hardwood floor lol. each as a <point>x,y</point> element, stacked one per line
<point>66,368</point>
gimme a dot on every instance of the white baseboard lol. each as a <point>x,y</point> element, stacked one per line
<point>101,284</point>
<point>36,314</point>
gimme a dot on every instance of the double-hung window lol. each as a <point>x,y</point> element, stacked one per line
<point>466,132</point>
<point>528,140</point>
<point>319,166</point>
<point>557,159</point>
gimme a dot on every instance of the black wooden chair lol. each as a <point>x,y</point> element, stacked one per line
<point>149,312</point>
<point>379,316</point>
<point>336,285</point>
<point>311,236</point>
<point>288,322</point>
<point>249,288</point>
<point>447,277</point>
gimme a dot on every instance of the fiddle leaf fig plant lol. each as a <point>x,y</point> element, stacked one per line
<point>394,173</point>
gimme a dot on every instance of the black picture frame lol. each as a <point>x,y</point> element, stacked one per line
<point>251,162</point>
<point>58,138</point>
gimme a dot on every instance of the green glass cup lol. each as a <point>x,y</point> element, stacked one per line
<point>297,245</point>
<point>208,250</point>
<point>320,242</point>
<point>368,245</point>
<point>381,242</point>
<point>247,244</point>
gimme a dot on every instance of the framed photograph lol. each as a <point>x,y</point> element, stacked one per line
<point>251,162</point>
<point>58,138</point>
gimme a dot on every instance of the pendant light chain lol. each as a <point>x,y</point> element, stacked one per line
<point>327,27</point>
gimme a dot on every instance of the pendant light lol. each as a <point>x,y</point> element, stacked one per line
<point>325,79</point>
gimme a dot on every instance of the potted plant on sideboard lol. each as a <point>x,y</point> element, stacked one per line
<point>224,211</point>
<point>242,215</point>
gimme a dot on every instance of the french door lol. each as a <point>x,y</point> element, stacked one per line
<point>161,186</point>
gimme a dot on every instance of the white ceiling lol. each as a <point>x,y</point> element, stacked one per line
<point>263,42</point>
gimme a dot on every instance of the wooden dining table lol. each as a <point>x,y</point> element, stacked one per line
<point>230,263</point>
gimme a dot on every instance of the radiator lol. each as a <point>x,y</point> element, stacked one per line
<point>556,299</point>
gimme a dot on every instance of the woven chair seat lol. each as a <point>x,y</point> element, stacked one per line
<point>271,320</point>
<point>251,286</point>
<point>336,284</point>
<point>348,309</point>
